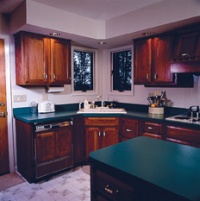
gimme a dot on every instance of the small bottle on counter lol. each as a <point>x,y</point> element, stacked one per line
<point>86,104</point>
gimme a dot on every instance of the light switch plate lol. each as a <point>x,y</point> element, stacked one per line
<point>19,98</point>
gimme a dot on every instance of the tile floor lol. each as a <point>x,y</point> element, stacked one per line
<point>71,186</point>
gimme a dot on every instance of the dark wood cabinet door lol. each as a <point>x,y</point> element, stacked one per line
<point>78,139</point>
<point>151,129</point>
<point>109,136</point>
<point>92,139</point>
<point>31,66</point>
<point>64,142</point>
<point>183,135</point>
<point>142,61</point>
<point>162,51</point>
<point>128,128</point>
<point>45,146</point>
<point>187,45</point>
<point>60,62</point>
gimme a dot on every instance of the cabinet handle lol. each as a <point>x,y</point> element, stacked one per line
<point>99,134</point>
<point>147,76</point>
<point>185,55</point>
<point>2,104</point>
<point>156,76</point>
<point>150,128</point>
<point>2,114</point>
<point>45,76</point>
<point>54,76</point>
<point>104,134</point>
<point>108,190</point>
<point>128,130</point>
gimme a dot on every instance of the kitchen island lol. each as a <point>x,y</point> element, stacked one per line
<point>145,169</point>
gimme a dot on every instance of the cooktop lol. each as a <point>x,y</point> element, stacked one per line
<point>184,119</point>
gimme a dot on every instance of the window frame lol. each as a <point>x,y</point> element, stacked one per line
<point>111,51</point>
<point>95,68</point>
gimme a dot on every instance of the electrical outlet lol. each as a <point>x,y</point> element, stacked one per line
<point>19,98</point>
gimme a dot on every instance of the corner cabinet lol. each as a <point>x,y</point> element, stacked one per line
<point>152,60</point>
<point>41,60</point>
<point>100,132</point>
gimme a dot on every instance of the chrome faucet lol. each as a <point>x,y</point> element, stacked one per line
<point>102,102</point>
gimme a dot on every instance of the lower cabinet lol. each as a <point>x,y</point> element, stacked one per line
<point>151,129</point>
<point>106,188</point>
<point>183,135</point>
<point>129,128</point>
<point>100,132</point>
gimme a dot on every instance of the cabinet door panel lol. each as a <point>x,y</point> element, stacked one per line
<point>187,45</point>
<point>161,59</point>
<point>92,139</point>
<point>64,142</point>
<point>31,66</point>
<point>45,146</point>
<point>183,135</point>
<point>142,61</point>
<point>60,60</point>
<point>109,136</point>
<point>129,128</point>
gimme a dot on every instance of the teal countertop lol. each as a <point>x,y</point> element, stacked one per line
<point>63,112</point>
<point>170,166</point>
<point>60,115</point>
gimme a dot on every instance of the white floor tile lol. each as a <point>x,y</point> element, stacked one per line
<point>71,186</point>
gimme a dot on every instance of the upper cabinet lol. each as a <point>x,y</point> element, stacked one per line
<point>152,57</point>
<point>41,60</point>
<point>187,47</point>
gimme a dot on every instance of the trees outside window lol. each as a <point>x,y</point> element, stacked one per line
<point>121,64</point>
<point>84,69</point>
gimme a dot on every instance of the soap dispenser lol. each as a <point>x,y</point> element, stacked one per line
<point>86,105</point>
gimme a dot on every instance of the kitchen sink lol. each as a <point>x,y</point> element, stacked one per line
<point>104,110</point>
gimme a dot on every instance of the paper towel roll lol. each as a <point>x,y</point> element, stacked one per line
<point>55,89</point>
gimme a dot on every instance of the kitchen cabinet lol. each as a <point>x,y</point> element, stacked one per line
<point>128,128</point>
<point>41,60</point>
<point>152,60</point>
<point>187,47</point>
<point>100,132</point>
<point>183,135</point>
<point>106,187</point>
<point>151,129</point>
<point>42,153</point>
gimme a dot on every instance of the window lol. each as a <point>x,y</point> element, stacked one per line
<point>83,68</point>
<point>121,68</point>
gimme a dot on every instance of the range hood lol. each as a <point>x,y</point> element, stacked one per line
<point>185,67</point>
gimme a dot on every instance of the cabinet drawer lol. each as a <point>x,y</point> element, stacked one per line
<point>129,128</point>
<point>102,121</point>
<point>112,188</point>
<point>155,128</point>
<point>183,135</point>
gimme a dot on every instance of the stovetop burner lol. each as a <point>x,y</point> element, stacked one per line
<point>184,119</point>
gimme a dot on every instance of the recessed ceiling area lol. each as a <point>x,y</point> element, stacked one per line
<point>98,9</point>
<point>123,20</point>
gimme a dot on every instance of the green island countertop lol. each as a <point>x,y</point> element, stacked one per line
<point>170,166</point>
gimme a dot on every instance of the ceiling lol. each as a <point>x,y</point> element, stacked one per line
<point>95,9</point>
<point>101,10</point>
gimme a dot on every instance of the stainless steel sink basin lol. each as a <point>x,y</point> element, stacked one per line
<point>104,110</point>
